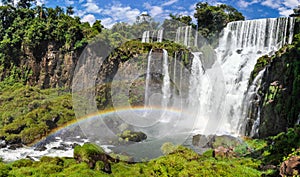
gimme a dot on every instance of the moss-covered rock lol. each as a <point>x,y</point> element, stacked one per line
<point>91,154</point>
<point>133,136</point>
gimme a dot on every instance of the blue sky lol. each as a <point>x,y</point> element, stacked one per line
<point>110,12</point>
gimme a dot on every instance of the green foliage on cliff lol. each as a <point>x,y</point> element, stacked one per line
<point>282,145</point>
<point>29,113</point>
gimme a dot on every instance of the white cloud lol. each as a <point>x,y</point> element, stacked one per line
<point>69,2</point>
<point>107,22</point>
<point>170,2</point>
<point>193,6</point>
<point>153,10</point>
<point>79,13</point>
<point>89,18</point>
<point>285,12</point>
<point>119,13</point>
<point>275,4</point>
<point>91,7</point>
<point>285,7</point>
<point>40,2</point>
<point>291,3</point>
<point>245,4</point>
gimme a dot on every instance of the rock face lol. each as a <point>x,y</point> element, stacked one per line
<point>290,167</point>
<point>279,92</point>
<point>51,67</point>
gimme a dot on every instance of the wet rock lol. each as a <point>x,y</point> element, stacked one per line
<point>74,145</point>
<point>40,148</point>
<point>239,51</point>
<point>15,146</point>
<point>128,135</point>
<point>3,144</point>
<point>290,167</point>
<point>62,147</point>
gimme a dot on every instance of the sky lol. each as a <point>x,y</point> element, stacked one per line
<point>110,12</point>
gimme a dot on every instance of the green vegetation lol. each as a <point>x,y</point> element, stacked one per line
<point>212,19</point>
<point>181,162</point>
<point>29,113</point>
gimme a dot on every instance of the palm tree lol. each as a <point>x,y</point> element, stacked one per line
<point>40,11</point>
<point>70,10</point>
<point>25,3</point>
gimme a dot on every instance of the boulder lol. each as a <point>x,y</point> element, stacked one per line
<point>290,167</point>
<point>15,146</point>
<point>91,154</point>
<point>40,148</point>
<point>128,135</point>
<point>3,144</point>
<point>215,141</point>
<point>221,151</point>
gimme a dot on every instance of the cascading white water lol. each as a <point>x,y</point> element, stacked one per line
<point>148,77</point>
<point>252,99</point>
<point>183,35</point>
<point>187,35</point>
<point>178,34</point>
<point>166,80</point>
<point>146,36</point>
<point>160,35</point>
<point>241,44</point>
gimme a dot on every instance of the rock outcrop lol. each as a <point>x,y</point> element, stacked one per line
<point>290,167</point>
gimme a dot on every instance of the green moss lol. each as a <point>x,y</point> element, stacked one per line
<point>86,151</point>
<point>36,112</point>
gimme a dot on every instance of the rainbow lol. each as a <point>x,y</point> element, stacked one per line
<point>104,113</point>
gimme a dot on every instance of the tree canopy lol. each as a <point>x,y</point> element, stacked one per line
<point>212,19</point>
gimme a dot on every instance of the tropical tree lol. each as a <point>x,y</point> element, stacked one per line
<point>40,11</point>
<point>25,3</point>
<point>98,26</point>
<point>70,10</point>
<point>212,19</point>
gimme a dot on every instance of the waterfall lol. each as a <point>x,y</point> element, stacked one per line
<point>196,39</point>
<point>183,38</point>
<point>146,36</point>
<point>251,103</point>
<point>160,35</point>
<point>298,120</point>
<point>155,34</point>
<point>148,77</point>
<point>166,80</point>
<point>195,80</point>
<point>241,44</point>
<point>178,33</point>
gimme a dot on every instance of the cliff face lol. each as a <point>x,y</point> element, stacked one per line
<point>280,91</point>
<point>52,68</point>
